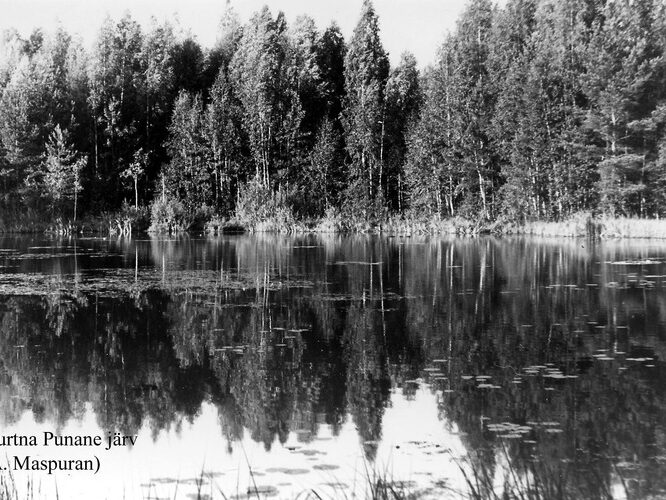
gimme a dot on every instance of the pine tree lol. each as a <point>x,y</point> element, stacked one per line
<point>331,51</point>
<point>624,85</point>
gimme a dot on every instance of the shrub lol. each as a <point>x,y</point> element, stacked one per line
<point>167,216</point>
<point>332,222</point>
<point>261,209</point>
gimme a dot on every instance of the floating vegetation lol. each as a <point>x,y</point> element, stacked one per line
<point>119,282</point>
<point>325,467</point>
<point>488,386</point>
<point>509,430</point>
<point>355,263</point>
<point>643,262</point>
<point>266,490</point>
<point>287,470</point>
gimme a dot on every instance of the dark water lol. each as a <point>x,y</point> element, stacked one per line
<point>524,363</point>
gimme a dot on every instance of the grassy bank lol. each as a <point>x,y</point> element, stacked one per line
<point>577,226</point>
<point>586,226</point>
<point>130,221</point>
<point>122,222</point>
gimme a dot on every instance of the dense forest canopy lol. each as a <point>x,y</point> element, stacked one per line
<point>537,110</point>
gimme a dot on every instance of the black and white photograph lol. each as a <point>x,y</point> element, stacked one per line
<point>321,250</point>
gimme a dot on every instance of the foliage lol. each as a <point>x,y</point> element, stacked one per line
<point>259,208</point>
<point>187,176</point>
<point>533,111</point>
<point>167,216</point>
<point>135,170</point>
<point>366,71</point>
<point>62,171</point>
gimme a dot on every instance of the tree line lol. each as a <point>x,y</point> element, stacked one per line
<point>537,110</point>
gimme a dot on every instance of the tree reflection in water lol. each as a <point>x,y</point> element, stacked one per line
<point>545,355</point>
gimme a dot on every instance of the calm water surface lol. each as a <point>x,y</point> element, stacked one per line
<point>314,363</point>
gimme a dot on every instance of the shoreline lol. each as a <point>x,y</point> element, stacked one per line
<point>576,227</point>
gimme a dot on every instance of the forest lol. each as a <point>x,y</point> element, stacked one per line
<point>539,110</point>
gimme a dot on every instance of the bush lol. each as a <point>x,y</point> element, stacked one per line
<point>167,216</point>
<point>261,209</point>
<point>332,222</point>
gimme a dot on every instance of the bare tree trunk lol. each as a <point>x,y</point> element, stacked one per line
<point>482,190</point>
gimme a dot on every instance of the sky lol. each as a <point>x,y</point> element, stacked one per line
<point>412,439</point>
<point>418,26</point>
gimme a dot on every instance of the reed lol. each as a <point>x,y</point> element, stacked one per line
<point>625,227</point>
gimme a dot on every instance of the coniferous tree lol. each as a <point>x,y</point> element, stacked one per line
<point>331,51</point>
<point>187,176</point>
<point>625,66</point>
<point>366,71</point>
<point>188,65</point>
<point>401,110</point>
<point>220,56</point>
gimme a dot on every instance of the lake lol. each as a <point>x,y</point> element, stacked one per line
<point>321,366</point>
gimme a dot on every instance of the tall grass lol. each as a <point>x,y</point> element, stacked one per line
<point>499,479</point>
<point>9,489</point>
<point>625,227</point>
<point>408,226</point>
<point>582,224</point>
<point>23,221</point>
<point>537,479</point>
<point>375,485</point>
<point>585,225</point>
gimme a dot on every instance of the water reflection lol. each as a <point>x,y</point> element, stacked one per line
<point>545,357</point>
